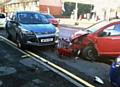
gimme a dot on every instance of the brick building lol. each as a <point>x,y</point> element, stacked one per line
<point>54,7</point>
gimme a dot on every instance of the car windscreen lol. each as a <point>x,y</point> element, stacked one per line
<point>97,26</point>
<point>2,16</point>
<point>48,16</point>
<point>32,18</point>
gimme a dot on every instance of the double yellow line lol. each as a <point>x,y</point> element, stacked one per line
<point>53,65</point>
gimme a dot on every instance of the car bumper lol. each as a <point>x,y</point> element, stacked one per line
<point>40,41</point>
<point>115,75</point>
<point>56,25</point>
<point>2,25</point>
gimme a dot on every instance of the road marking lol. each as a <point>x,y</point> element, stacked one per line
<point>61,69</point>
<point>26,55</point>
<point>53,65</point>
<point>8,41</point>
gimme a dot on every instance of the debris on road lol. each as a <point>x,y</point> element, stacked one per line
<point>98,80</point>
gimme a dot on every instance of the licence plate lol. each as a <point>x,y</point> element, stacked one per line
<point>47,40</point>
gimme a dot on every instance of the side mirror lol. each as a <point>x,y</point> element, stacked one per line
<point>13,21</point>
<point>101,34</point>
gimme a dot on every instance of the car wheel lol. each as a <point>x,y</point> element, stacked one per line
<point>8,36</point>
<point>19,45</point>
<point>88,53</point>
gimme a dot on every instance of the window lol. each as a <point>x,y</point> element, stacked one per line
<point>112,30</point>
<point>2,15</point>
<point>32,18</point>
<point>13,17</point>
<point>10,15</point>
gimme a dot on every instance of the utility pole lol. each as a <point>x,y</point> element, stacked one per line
<point>76,10</point>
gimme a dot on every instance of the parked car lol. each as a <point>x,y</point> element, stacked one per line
<point>115,72</point>
<point>31,28</point>
<point>52,19</point>
<point>102,38</point>
<point>2,20</point>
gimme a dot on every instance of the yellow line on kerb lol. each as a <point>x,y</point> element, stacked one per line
<point>61,69</point>
<point>8,41</point>
<point>52,64</point>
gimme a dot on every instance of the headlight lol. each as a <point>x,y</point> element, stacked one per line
<point>24,31</point>
<point>117,62</point>
<point>57,31</point>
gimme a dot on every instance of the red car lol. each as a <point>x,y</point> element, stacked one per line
<point>52,19</point>
<point>100,39</point>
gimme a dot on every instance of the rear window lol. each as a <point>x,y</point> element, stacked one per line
<point>2,16</point>
<point>48,16</point>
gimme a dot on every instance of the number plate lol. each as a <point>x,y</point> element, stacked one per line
<point>47,40</point>
<point>1,24</point>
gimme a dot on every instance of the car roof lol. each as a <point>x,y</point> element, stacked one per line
<point>115,20</point>
<point>2,13</point>
<point>46,13</point>
<point>24,11</point>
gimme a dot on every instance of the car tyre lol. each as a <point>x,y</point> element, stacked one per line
<point>8,36</point>
<point>89,53</point>
<point>19,44</point>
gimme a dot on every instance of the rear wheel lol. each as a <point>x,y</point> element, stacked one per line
<point>89,53</point>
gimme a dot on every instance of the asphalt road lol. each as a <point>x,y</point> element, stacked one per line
<point>82,68</point>
<point>16,70</point>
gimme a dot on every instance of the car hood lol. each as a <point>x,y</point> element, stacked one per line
<point>52,19</point>
<point>78,34</point>
<point>39,27</point>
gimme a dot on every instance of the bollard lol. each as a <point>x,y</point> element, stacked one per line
<point>80,17</point>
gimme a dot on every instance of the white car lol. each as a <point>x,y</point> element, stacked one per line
<point>2,20</point>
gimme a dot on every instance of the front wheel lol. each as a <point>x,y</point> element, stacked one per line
<point>19,44</point>
<point>8,36</point>
<point>89,53</point>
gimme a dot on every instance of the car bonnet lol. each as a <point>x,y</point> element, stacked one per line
<point>39,27</point>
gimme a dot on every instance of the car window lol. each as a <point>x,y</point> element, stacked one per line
<point>10,15</point>
<point>13,17</point>
<point>2,15</point>
<point>112,30</point>
<point>48,16</point>
<point>32,18</point>
<point>97,26</point>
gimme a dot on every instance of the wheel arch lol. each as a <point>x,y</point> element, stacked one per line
<point>92,44</point>
<point>85,54</point>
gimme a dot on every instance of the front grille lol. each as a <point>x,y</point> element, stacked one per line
<point>51,32</point>
<point>46,44</point>
<point>33,39</point>
<point>37,42</point>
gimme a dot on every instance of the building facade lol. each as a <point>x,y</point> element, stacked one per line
<point>53,7</point>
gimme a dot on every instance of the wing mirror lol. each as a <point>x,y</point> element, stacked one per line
<point>12,21</point>
<point>102,34</point>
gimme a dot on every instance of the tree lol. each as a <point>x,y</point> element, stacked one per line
<point>82,8</point>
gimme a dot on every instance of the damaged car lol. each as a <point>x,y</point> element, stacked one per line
<point>102,38</point>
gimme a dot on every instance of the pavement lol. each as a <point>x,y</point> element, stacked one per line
<point>70,23</point>
<point>17,69</point>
